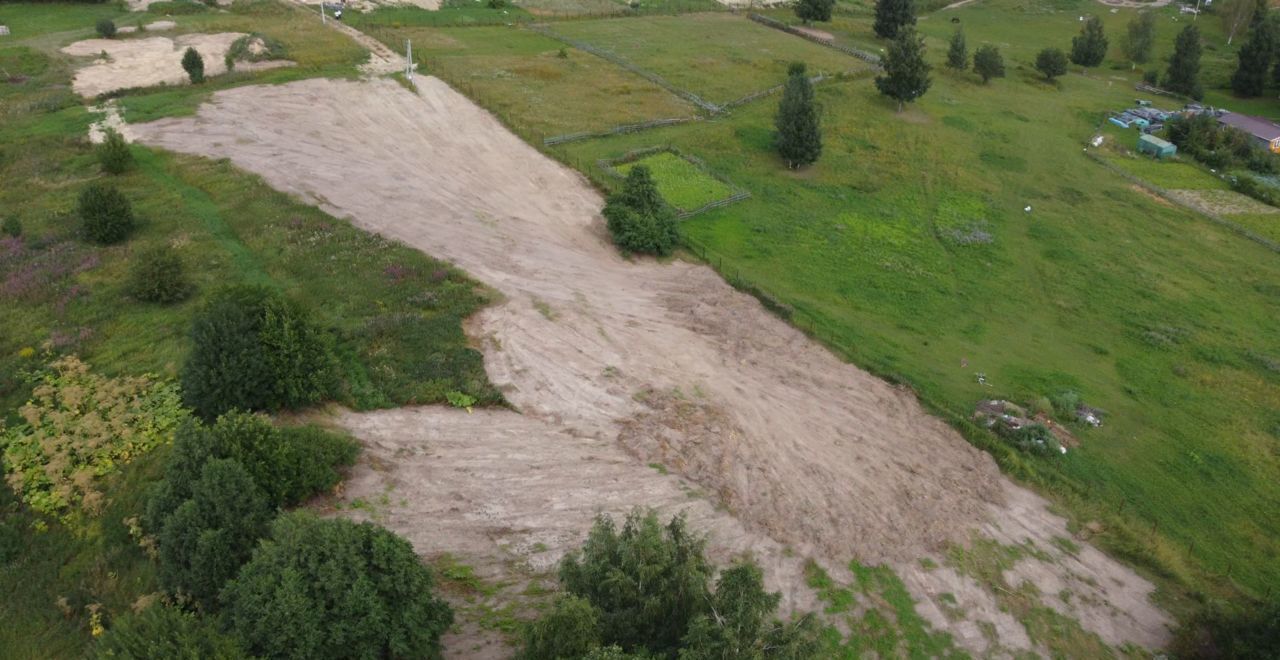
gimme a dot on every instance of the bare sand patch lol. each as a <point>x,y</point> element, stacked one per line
<point>151,61</point>
<point>773,442</point>
<point>1222,202</point>
<point>815,33</point>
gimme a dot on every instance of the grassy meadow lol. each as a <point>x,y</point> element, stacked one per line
<point>679,181</point>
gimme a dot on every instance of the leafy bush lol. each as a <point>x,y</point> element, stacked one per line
<point>1051,63</point>
<point>114,154</point>
<point>988,63</point>
<point>105,214</point>
<point>80,427</point>
<point>638,219</point>
<point>647,581</point>
<point>206,540</point>
<point>1232,633</point>
<point>1220,147</point>
<point>256,47</point>
<point>318,589</point>
<point>1151,76</point>
<point>157,275</point>
<point>164,632</point>
<point>105,28</point>
<point>645,591</point>
<point>288,464</point>
<point>193,64</point>
<point>255,350</point>
<point>11,226</point>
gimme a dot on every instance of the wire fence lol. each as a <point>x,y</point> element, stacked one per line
<point>617,130</point>
<point>643,73</point>
<point>871,58</point>
<point>609,166</point>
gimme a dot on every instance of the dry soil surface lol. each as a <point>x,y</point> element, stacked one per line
<point>145,62</point>
<point>772,441</point>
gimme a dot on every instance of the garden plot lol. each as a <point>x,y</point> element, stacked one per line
<point>148,62</point>
<point>719,57</point>
<point>683,183</point>
<point>633,362</point>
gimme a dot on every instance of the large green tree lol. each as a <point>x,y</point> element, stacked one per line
<point>326,589</point>
<point>1255,56</point>
<point>892,16</point>
<point>1051,62</point>
<point>637,217</point>
<point>206,540</point>
<point>1140,37</point>
<point>1089,48</point>
<point>814,10</point>
<point>164,632</point>
<point>906,74</point>
<point>1183,74</point>
<point>253,349</point>
<point>799,137</point>
<point>739,623</point>
<point>958,52</point>
<point>988,63</point>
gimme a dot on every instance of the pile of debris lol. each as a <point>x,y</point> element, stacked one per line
<point>1011,421</point>
<point>1147,118</point>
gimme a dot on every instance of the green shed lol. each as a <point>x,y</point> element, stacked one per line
<point>1150,144</point>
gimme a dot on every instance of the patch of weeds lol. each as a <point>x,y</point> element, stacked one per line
<point>459,578</point>
<point>544,309</point>
<point>928,564</point>
<point>662,469</point>
<point>1066,545</point>
<point>986,561</point>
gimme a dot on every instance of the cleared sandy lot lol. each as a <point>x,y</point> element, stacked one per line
<point>772,442</point>
<point>151,61</point>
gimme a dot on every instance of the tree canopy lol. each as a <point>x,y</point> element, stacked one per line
<point>958,52</point>
<point>799,137</point>
<point>638,218</point>
<point>1183,74</point>
<point>1089,48</point>
<point>1140,37</point>
<point>892,16</point>
<point>988,63</point>
<point>814,10</point>
<point>1051,62</point>
<point>906,74</point>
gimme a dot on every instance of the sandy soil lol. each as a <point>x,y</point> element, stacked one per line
<point>614,364</point>
<point>815,33</point>
<point>145,62</point>
<point>1222,202</point>
<point>370,5</point>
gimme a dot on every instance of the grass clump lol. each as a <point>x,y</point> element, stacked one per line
<point>105,213</point>
<point>159,275</point>
<point>105,27</point>
<point>114,154</point>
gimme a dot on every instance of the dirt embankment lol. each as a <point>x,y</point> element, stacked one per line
<point>613,364</point>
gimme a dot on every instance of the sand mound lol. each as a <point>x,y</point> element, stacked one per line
<point>152,61</point>
<point>614,364</point>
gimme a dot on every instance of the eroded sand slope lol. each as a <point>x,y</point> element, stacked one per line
<point>602,355</point>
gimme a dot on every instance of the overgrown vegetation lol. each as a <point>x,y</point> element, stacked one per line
<point>645,591</point>
<point>637,217</point>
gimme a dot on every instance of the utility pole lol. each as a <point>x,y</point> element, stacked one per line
<point>322,17</point>
<point>408,60</point>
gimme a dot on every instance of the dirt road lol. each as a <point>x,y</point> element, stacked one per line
<point>616,365</point>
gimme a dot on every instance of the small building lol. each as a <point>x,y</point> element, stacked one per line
<point>1150,144</point>
<point>1262,130</point>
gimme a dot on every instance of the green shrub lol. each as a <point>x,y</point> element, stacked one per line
<point>206,540</point>
<point>647,581</point>
<point>638,219</point>
<point>11,226</point>
<point>105,214</point>
<point>105,28</point>
<point>254,350</point>
<point>288,464</point>
<point>1035,439</point>
<point>571,629</point>
<point>1151,76</point>
<point>114,154</point>
<point>157,275</point>
<point>644,591</point>
<point>193,64</point>
<point>80,428</point>
<point>319,589</point>
<point>164,632</point>
<point>243,49</point>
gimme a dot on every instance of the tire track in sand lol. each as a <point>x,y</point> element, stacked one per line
<point>614,364</point>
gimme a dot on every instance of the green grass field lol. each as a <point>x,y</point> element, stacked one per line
<point>1266,225</point>
<point>680,182</point>
<point>1147,310</point>
<point>720,57</point>
<point>522,77</point>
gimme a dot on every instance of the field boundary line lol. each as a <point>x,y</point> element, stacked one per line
<point>608,165</point>
<point>871,58</point>
<point>654,78</point>
<point>617,130</point>
<point>1164,194</point>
